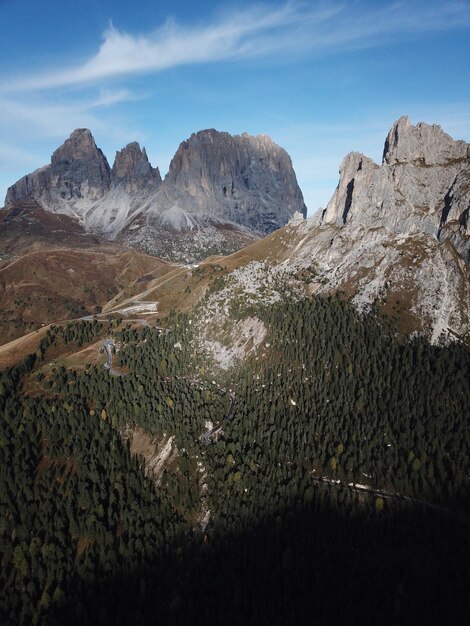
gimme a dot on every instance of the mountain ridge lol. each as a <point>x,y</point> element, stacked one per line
<point>394,237</point>
<point>246,184</point>
<point>422,186</point>
<point>382,242</point>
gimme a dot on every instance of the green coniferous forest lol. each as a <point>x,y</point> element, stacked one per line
<point>336,490</point>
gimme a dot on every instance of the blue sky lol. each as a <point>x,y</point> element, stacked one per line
<point>321,78</point>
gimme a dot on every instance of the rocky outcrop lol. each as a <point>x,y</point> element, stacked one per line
<point>80,183</point>
<point>79,169</point>
<point>393,239</point>
<point>132,170</point>
<point>395,236</point>
<point>422,144</point>
<point>78,174</point>
<point>30,186</point>
<point>422,186</point>
<point>242,179</point>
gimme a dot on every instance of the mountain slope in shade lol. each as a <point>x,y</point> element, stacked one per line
<point>220,193</point>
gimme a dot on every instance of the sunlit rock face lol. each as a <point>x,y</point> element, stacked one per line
<point>395,236</point>
<point>423,185</point>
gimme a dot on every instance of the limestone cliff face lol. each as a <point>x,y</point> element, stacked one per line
<point>80,183</point>
<point>243,179</point>
<point>29,186</point>
<point>132,170</point>
<point>422,144</point>
<point>396,236</point>
<point>79,169</point>
<point>421,186</point>
<point>78,172</point>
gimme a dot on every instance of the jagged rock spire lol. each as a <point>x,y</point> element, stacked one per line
<point>422,186</point>
<point>132,168</point>
<point>422,144</point>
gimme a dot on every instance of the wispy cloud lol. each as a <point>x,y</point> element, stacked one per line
<point>14,157</point>
<point>33,115</point>
<point>109,97</point>
<point>260,31</point>
<point>44,118</point>
<point>170,45</point>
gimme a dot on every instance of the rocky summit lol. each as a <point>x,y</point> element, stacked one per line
<point>422,186</point>
<point>247,180</point>
<point>132,169</point>
<point>78,174</point>
<point>221,192</point>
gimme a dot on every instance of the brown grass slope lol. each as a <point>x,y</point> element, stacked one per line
<point>55,284</point>
<point>25,227</point>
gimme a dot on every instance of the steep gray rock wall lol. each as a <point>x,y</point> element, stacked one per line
<point>422,144</point>
<point>244,179</point>
<point>80,183</point>
<point>78,175</point>
<point>132,169</point>
<point>29,186</point>
<point>421,186</point>
<point>396,236</point>
<point>79,169</point>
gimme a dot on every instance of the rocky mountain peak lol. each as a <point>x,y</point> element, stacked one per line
<point>78,147</point>
<point>79,169</point>
<point>422,144</point>
<point>247,180</point>
<point>132,168</point>
<point>421,187</point>
<point>226,190</point>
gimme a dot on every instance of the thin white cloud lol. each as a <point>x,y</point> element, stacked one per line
<point>43,119</point>
<point>25,116</point>
<point>12,157</point>
<point>108,98</point>
<point>170,45</point>
<point>263,30</point>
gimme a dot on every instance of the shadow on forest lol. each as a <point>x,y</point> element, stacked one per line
<point>303,566</point>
